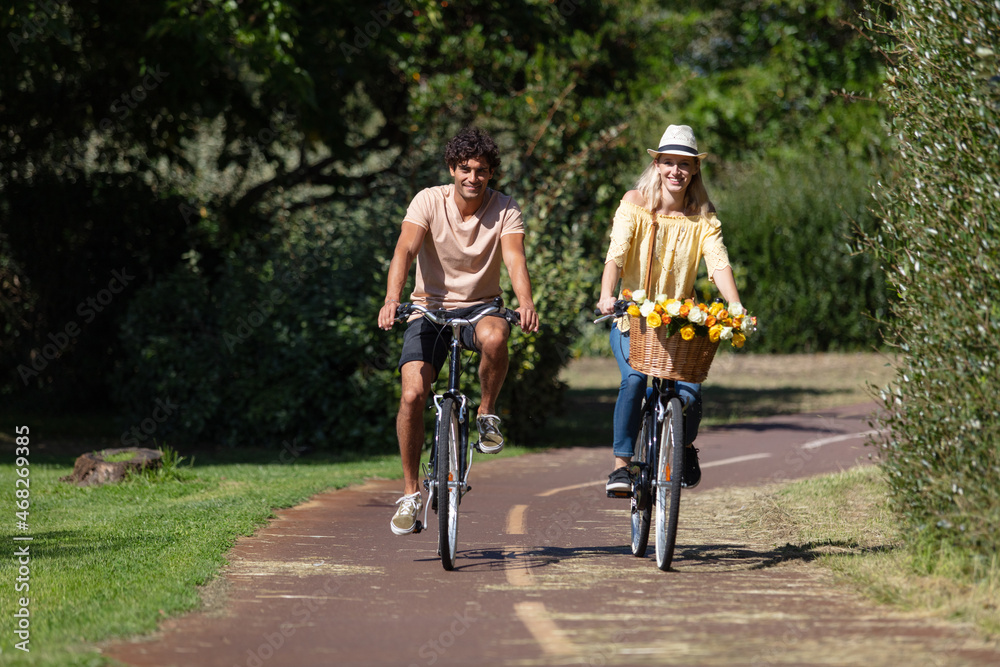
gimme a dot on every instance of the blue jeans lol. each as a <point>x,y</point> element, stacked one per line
<point>629,404</point>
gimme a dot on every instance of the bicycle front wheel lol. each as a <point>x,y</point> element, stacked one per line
<point>449,482</point>
<point>670,466</point>
<point>642,502</point>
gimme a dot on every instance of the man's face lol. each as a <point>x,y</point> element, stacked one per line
<point>471,178</point>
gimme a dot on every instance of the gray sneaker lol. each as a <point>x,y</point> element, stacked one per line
<point>490,438</point>
<point>405,519</point>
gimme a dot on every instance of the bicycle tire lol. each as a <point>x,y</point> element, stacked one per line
<point>670,467</point>
<point>642,504</point>
<point>448,482</point>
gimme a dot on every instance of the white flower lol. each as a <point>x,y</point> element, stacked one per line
<point>727,333</point>
<point>639,296</point>
<point>660,298</point>
<point>646,308</point>
<point>747,325</point>
<point>674,308</point>
<point>736,309</point>
<point>697,316</point>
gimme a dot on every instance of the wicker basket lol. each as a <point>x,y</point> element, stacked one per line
<point>652,353</point>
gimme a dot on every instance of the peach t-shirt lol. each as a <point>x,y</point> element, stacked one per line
<point>459,262</point>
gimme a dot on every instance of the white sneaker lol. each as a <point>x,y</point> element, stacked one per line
<point>490,438</point>
<point>404,521</point>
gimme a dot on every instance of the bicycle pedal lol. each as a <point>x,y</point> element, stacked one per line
<point>619,494</point>
<point>418,526</point>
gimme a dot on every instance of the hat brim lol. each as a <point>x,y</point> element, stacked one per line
<point>653,153</point>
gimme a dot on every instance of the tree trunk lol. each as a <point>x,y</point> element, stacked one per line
<point>93,468</point>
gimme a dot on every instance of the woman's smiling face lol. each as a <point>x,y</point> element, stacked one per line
<point>676,171</point>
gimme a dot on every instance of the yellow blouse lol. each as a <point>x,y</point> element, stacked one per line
<point>681,242</point>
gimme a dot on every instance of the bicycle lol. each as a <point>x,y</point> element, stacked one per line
<point>446,474</point>
<point>657,467</point>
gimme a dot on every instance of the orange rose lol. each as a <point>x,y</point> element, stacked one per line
<point>710,322</point>
<point>685,308</point>
<point>627,294</point>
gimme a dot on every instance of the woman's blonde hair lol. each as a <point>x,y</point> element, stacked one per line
<point>696,201</point>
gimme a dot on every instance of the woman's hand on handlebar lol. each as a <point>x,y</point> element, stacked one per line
<point>606,306</point>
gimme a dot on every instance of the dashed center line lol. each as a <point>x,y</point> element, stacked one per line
<point>515,520</point>
<point>550,638</point>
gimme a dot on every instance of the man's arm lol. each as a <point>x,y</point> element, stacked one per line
<point>411,237</point>
<point>512,246</point>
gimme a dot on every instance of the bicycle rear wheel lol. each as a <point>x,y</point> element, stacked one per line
<point>448,482</point>
<point>670,466</point>
<point>642,502</point>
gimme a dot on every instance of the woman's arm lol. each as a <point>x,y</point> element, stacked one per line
<point>724,280</point>
<point>609,279</point>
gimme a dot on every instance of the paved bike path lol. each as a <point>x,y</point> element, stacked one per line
<point>545,577</point>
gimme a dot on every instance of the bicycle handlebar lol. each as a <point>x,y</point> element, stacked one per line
<point>621,307</point>
<point>447,317</point>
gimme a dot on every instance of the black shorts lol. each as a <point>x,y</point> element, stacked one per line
<point>426,341</point>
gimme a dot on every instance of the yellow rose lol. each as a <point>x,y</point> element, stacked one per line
<point>633,310</point>
<point>714,332</point>
<point>687,333</point>
<point>653,320</point>
<point>738,339</point>
<point>716,308</point>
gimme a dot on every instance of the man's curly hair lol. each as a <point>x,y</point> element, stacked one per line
<point>472,143</point>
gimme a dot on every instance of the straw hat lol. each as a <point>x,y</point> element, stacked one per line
<point>677,140</point>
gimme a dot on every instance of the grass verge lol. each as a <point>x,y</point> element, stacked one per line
<point>846,518</point>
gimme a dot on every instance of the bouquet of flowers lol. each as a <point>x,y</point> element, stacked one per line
<point>691,319</point>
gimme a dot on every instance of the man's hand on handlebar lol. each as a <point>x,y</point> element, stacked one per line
<point>387,315</point>
<point>529,318</point>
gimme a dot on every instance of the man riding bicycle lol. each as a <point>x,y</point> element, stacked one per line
<point>459,234</point>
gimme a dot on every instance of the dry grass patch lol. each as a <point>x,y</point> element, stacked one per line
<point>846,518</point>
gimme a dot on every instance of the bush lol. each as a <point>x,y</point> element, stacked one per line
<point>281,346</point>
<point>940,245</point>
<point>790,227</point>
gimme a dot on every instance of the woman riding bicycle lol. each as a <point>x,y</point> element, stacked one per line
<point>670,191</point>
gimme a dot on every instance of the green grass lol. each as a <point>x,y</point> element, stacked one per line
<point>114,560</point>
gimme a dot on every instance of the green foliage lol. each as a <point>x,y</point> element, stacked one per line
<point>281,347</point>
<point>178,140</point>
<point>765,77</point>
<point>940,244</point>
<point>790,228</point>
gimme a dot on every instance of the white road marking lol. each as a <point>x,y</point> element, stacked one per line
<point>815,444</point>
<point>735,459</point>
<point>552,492</point>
